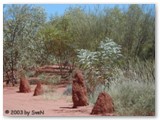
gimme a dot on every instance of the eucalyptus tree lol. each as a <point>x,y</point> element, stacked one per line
<point>21,23</point>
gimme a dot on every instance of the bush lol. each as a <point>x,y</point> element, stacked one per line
<point>47,79</point>
<point>107,54</point>
<point>133,97</point>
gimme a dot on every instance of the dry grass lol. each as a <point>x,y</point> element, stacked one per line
<point>51,94</point>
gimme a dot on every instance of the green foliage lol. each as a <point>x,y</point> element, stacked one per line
<point>46,42</point>
<point>86,27</point>
<point>108,52</point>
<point>21,23</point>
<point>57,40</point>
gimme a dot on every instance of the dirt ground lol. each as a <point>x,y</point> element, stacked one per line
<point>25,104</point>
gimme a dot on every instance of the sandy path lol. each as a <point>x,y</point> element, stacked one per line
<point>25,104</point>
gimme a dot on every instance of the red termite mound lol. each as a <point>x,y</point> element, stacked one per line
<point>24,85</point>
<point>103,105</point>
<point>79,92</point>
<point>38,90</point>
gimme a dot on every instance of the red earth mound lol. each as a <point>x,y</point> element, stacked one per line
<point>24,85</point>
<point>38,90</point>
<point>79,92</point>
<point>103,105</point>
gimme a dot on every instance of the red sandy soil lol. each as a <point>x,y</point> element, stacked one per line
<point>18,103</point>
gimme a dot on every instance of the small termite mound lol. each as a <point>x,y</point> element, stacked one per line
<point>103,105</point>
<point>24,85</point>
<point>38,90</point>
